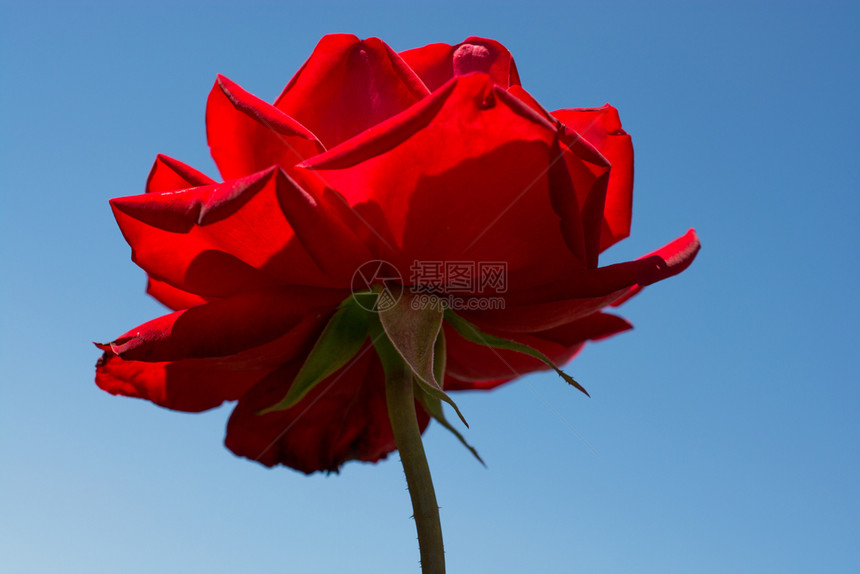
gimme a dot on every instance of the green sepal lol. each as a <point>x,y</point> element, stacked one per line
<point>367,300</point>
<point>471,333</point>
<point>413,330</point>
<point>412,326</point>
<point>432,405</point>
<point>340,341</point>
<point>392,363</point>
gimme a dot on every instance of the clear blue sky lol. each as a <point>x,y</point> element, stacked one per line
<point>722,434</point>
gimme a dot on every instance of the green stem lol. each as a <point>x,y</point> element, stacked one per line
<point>407,436</point>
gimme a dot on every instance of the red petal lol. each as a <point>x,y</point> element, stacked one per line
<point>325,226</point>
<point>178,237</point>
<point>168,174</point>
<point>677,254</point>
<point>670,259</point>
<point>469,363</point>
<point>191,386</point>
<point>452,383</point>
<point>343,418</point>
<point>590,173</point>
<point>593,290</point>
<point>467,174</point>
<point>529,100</point>
<point>221,239</point>
<point>199,384</point>
<point>347,86</point>
<point>602,128</point>
<point>435,64</point>
<point>225,327</point>
<point>172,297</point>
<point>247,135</point>
<point>528,318</point>
<point>578,190</point>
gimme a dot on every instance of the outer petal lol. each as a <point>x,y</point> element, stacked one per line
<point>327,229</point>
<point>191,386</point>
<point>347,86</point>
<point>593,291</point>
<point>206,240</point>
<point>589,184</point>
<point>168,174</point>
<point>452,383</point>
<point>343,418</point>
<point>172,297</point>
<point>602,128</point>
<point>195,385</point>
<point>472,366</point>
<point>225,327</point>
<point>531,102</point>
<point>236,236</point>
<point>470,173</point>
<point>247,135</point>
<point>435,64</point>
<point>594,186</point>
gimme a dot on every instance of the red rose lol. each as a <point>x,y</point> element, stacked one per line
<point>433,157</point>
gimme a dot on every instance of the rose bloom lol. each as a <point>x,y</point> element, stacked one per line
<point>431,155</point>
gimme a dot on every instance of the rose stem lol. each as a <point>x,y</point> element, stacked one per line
<point>407,437</point>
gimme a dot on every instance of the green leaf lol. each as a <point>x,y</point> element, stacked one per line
<point>471,333</point>
<point>412,327</point>
<point>339,342</point>
<point>433,405</point>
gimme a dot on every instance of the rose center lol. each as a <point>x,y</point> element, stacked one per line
<point>472,58</point>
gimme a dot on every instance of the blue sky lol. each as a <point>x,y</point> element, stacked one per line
<point>722,432</point>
